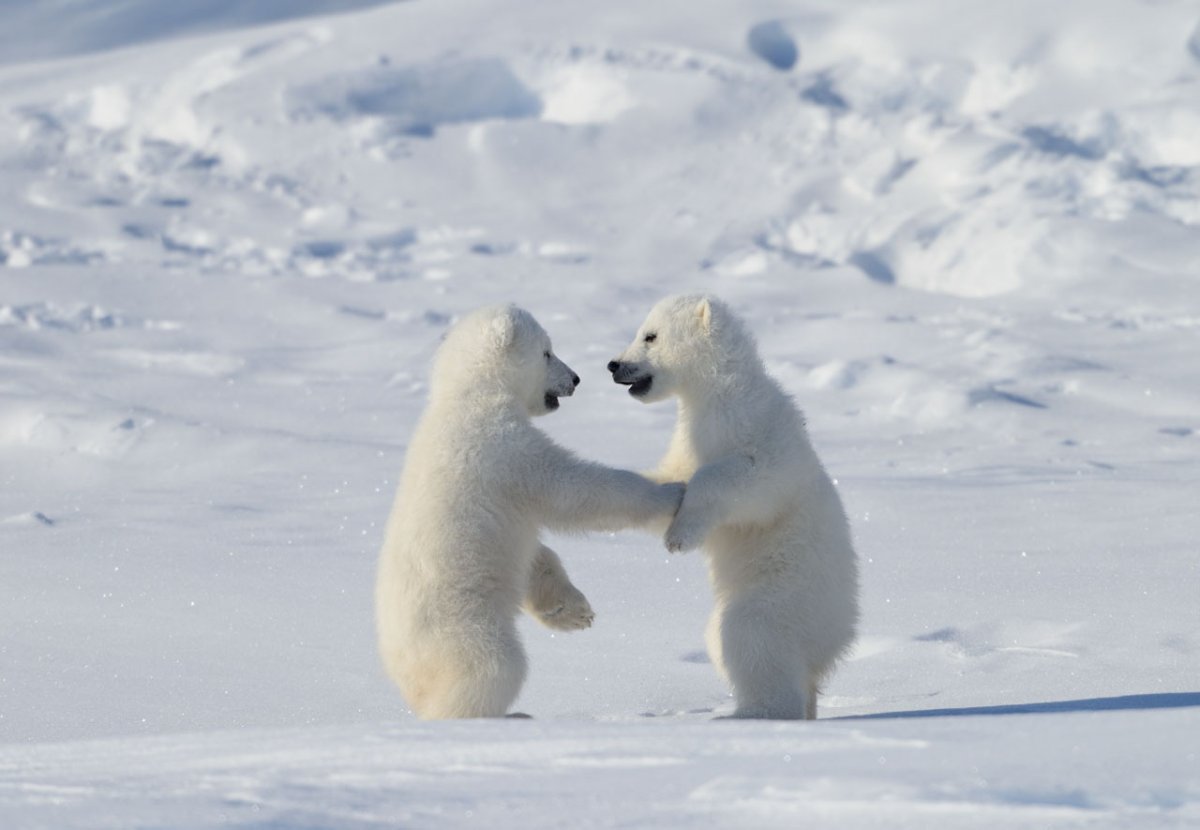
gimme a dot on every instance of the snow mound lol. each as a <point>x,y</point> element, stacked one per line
<point>585,94</point>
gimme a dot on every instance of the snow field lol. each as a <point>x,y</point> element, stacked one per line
<point>860,774</point>
<point>966,237</point>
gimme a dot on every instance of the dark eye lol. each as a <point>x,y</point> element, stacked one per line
<point>547,354</point>
<point>650,338</point>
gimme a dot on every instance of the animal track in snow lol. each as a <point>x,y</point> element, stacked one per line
<point>20,250</point>
<point>378,258</point>
<point>76,319</point>
<point>655,59</point>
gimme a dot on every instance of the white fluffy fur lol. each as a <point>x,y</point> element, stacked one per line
<point>781,561</point>
<point>461,554</point>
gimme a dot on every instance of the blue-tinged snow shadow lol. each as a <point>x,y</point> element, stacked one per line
<point>1133,703</point>
<point>46,29</point>
<point>771,42</point>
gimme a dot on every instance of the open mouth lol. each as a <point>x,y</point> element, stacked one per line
<point>638,387</point>
<point>551,401</point>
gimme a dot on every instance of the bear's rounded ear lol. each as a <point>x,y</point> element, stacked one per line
<point>503,331</point>
<point>704,315</point>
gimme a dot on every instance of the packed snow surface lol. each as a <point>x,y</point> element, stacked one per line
<point>966,236</point>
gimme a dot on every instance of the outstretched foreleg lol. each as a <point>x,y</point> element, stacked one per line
<point>715,493</point>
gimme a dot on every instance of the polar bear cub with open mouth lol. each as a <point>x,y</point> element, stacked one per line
<point>781,561</point>
<point>461,553</point>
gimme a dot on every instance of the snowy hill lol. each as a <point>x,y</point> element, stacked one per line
<point>967,237</point>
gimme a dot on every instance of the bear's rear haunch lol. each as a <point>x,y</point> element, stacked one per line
<point>461,554</point>
<point>782,566</point>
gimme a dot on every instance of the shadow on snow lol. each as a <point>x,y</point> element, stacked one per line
<point>1170,700</point>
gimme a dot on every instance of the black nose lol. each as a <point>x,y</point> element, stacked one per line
<point>613,365</point>
<point>575,379</point>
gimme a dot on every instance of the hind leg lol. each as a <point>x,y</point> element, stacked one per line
<point>712,639</point>
<point>473,677</point>
<point>769,680</point>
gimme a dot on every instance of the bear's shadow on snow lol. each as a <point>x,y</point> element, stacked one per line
<point>1166,700</point>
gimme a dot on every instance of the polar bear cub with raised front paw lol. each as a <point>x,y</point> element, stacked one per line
<point>461,554</point>
<point>781,561</point>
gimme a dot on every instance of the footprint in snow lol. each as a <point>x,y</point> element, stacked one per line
<point>771,42</point>
<point>36,518</point>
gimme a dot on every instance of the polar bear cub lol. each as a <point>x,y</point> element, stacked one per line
<point>461,553</point>
<point>781,562</point>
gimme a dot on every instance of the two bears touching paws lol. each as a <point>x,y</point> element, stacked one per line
<point>462,554</point>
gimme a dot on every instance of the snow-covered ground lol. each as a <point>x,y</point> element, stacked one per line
<point>966,234</point>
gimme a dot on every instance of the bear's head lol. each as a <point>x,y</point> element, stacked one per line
<point>503,350</point>
<point>687,344</point>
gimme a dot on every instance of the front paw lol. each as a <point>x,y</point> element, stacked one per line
<point>671,496</point>
<point>684,535</point>
<point>573,614</point>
